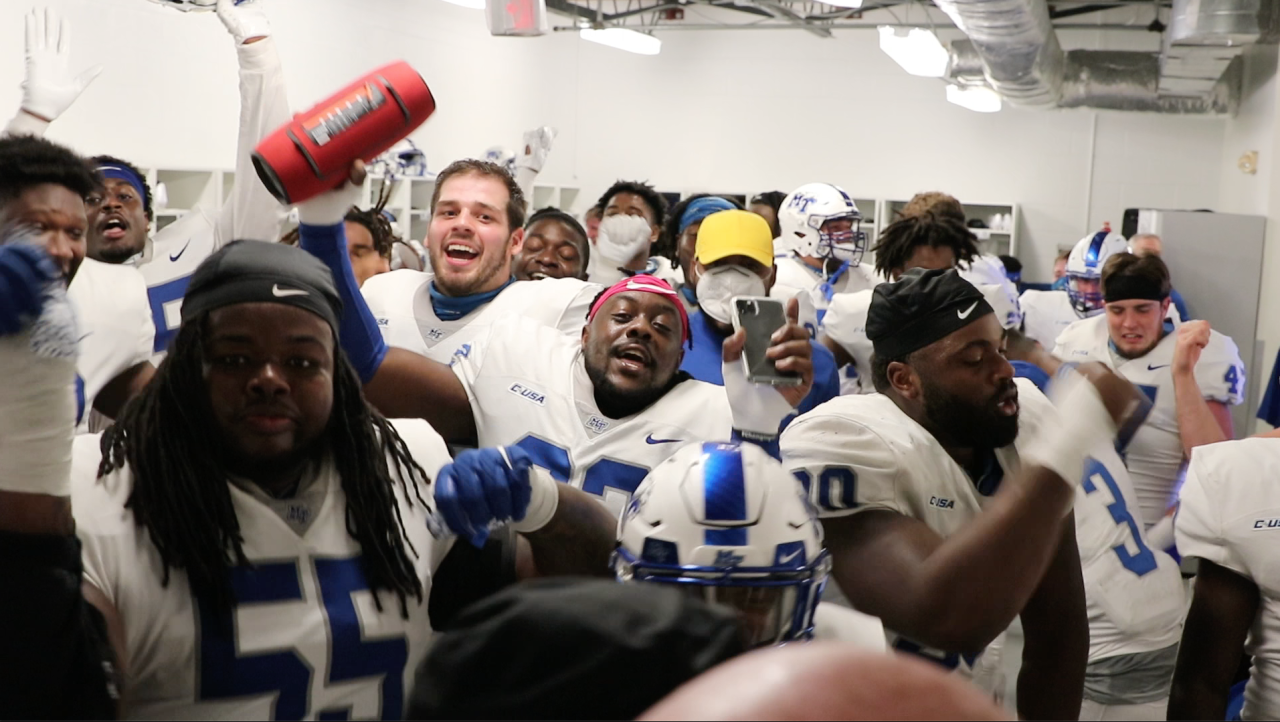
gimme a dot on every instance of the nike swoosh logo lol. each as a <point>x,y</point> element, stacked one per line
<point>789,558</point>
<point>1153,368</point>
<point>179,253</point>
<point>965,313</point>
<point>650,440</point>
<point>283,292</point>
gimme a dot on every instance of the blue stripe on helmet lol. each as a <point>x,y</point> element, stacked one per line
<point>1095,248</point>
<point>724,486</point>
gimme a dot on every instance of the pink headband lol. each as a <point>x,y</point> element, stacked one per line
<point>645,284</point>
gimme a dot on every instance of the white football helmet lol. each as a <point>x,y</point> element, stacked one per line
<point>807,208</point>
<point>504,157</point>
<point>728,524</point>
<point>402,160</point>
<point>189,6</point>
<point>1084,269</point>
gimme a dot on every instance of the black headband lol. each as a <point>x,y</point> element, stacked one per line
<point>1129,287</point>
<point>920,308</point>
<point>255,272</point>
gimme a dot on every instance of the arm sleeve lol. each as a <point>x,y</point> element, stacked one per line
<point>1198,524</point>
<point>358,330</point>
<point>1220,372</point>
<point>251,212</point>
<point>468,575</point>
<point>55,660</point>
<point>844,465</point>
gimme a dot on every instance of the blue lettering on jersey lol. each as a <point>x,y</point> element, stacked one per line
<point>942,503</point>
<point>164,298</point>
<point>603,474</point>
<point>1232,380</point>
<point>225,673</point>
<point>79,399</point>
<point>1144,561</point>
<point>525,392</point>
<point>837,487</point>
<point>813,330</point>
<point>1267,524</point>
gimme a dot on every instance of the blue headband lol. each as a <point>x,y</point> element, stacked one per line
<point>126,175</point>
<point>698,210</point>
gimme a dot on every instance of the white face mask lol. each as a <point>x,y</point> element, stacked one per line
<point>718,285</point>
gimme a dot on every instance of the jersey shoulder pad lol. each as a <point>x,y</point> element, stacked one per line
<point>847,455</point>
<point>1076,341</point>
<point>1208,498</point>
<point>1220,373</point>
<point>425,445</point>
<point>104,525</point>
<point>393,290</point>
<point>846,318</point>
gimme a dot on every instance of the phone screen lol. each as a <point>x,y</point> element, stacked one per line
<point>761,317</point>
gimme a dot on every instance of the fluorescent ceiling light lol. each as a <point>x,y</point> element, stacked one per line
<point>623,39</point>
<point>917,50</point>
<point>851,4</point>
<point>473,4</point>
<point>979,98</point>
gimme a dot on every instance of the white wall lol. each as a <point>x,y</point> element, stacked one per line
<point>740,111</point>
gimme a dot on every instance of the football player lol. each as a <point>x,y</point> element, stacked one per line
<point>819,224</point>
<point>1046,314</point>
<point>921,240</point>
<point>947,498</point>
<point>555,246</point>
<point>1228,512</point>
<point>727,524</point>
<point>679,239</point>
<point>1133,589</point>
<point>477,214</point>
<point>120,216</point>
<point>1135,337</point>
<point>633,214</point>
<point>259,539</point>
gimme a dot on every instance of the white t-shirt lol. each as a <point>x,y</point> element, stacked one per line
<point>1154,457</point>
<point>1230,515</point>
<point>249,213</point>
<point>528,386</point>
<point>116,332</point>
<point>885,460</point>
<point>401,303</point>
<point>305,639</point>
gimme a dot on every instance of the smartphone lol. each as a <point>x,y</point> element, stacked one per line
<point>761,316</point>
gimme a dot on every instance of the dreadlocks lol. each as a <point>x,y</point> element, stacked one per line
<point>377,223</point>
<point>180,493</point>
<point>900,239</point>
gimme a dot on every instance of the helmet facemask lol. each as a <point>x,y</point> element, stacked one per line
<point>1085,292</point>
<point>844,245</point>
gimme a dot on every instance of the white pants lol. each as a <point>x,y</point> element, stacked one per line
<point>1098,712</point>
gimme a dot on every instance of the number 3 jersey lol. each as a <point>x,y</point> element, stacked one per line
<point>306,640</point>
<point>528,386</point>
<point>856,453</point>
<point>1154,455</point>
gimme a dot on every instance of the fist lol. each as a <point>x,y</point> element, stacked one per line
<point>1125,402</point>
<point>1193,336</point>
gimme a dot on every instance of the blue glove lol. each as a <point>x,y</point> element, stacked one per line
<point>25,270</point>
<point>480,487</point>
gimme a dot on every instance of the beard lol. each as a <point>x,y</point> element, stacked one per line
<point>618,403</point>
<point>465,285</point>
<point>970,425</point>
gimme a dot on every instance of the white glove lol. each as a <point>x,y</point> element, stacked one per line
<point>758,409</point>
<point>537,144</point>
<point>48,88</point>
<point>330,208</point>
<point>623,237</point>
<point>244,19</point>
<point>1082,425</point>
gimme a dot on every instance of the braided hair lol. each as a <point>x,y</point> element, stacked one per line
<point>900,239</point>
<point>180,489</point>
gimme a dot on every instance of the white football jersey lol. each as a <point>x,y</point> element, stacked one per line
<point>116,333</point>
<point>1045,315</point>
<point>1133,593</point>
<point>794,277</point>
<point>1154,457</point>
<point>306,640</point>
<point>401,303</point>
<point>248,213</point>
<point>834,623</point>
<point>1229,515</point>
<point>987,269</point>
<point>528,386</point>
<point>846,324</point>
<point>885,460</point>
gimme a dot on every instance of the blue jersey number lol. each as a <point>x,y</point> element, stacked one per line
<point>837,487</point>
<point>604,474</point>
<point>1144,561</point>
<point>225,673</point>
<point>166,300</point>
<point>1232,380</point>
<point>79,399</point>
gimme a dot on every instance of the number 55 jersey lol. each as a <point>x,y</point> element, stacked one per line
<point>306,639</point>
